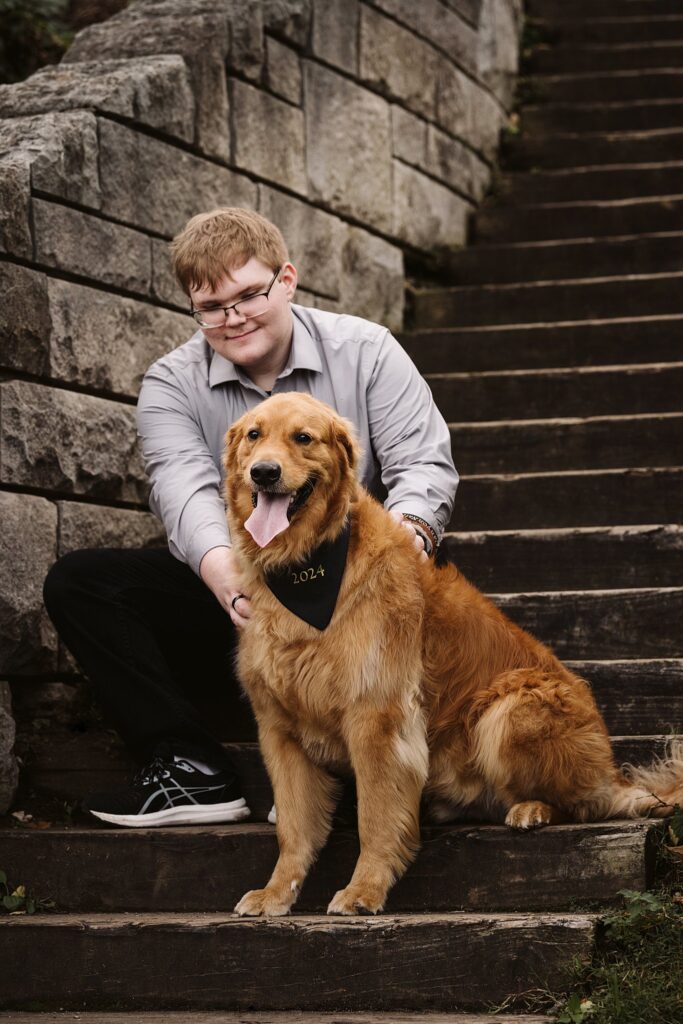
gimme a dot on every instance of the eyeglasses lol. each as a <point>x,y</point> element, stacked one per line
<point>250,305</point>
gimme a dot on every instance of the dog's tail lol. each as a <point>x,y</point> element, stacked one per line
<point>652,791</point>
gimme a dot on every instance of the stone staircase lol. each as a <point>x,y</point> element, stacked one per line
<point>555,355</point>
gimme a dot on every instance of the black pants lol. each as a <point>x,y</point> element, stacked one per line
<point>157,647</point>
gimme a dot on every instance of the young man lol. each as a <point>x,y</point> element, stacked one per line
<point>152,629</point>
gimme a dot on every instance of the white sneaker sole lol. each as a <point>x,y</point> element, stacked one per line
<point>198,814</point>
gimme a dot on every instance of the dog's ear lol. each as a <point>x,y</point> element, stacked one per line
<point>343,434</point>
<point>232,441</point>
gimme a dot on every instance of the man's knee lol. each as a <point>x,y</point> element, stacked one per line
<point>69,573</point>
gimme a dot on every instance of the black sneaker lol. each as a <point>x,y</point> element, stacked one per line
<point>170,792</point>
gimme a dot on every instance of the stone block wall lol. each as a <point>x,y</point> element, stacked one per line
<point>366,129</point>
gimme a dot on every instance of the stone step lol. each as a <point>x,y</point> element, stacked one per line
<point>425,961</point>
<point>560,10</point>
<point>256,1017</point>
<point>622,28</point>
<point>585,257</point>
<point>598,298</point>
<point>460,867</point>
<point>598,58</point>
<point>593,149</point>
<point>526,501</point>
<point>567,391</point>
<point>601,624</point>
<point>637,696</point>
<point>614,86</point>
<point>545,345</point>
<point>582,558</point>
<point>625,181</point>
<point>633,115</point>
<point>560,445</point>
<point>553,221</point>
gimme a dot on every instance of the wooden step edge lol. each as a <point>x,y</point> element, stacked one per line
<point>580,204</point>
<point>546,244</point>
<point>565,421</point>
<point>510,597</point>
<point>550,475</point>
<point>258,829</point>
<point>457,291</point>
<point>537,325</point>
<point>212,919</point>
<point>568,76</point>
<point>262,1017</point>
<point>549,532</point>
<point>556,371</point>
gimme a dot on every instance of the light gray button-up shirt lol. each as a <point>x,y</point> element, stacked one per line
<point>191,396</point>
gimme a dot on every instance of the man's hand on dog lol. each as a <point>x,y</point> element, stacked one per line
<point>218,569</point>
<point>418,542</point>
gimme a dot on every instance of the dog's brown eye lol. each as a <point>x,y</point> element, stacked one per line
<point>253,435</point>
<point>303,438</point>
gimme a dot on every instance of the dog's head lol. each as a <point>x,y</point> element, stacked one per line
<point>290,476</point>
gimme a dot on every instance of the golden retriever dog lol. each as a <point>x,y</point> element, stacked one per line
<point>417,685</point>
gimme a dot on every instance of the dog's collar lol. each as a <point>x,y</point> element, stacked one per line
<point>310,589</point>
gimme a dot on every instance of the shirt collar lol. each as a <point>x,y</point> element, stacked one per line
<point>303,355</point>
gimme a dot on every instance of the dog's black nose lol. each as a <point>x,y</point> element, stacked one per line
<point>264,473</point>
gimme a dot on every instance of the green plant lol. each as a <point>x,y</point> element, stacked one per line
<point>636,974</point>
<point>32,33</point>
<point>21,901</point>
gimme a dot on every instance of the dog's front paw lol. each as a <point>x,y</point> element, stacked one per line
<point>267,902</point>
<point>530,814</point>
<point>356,900</point>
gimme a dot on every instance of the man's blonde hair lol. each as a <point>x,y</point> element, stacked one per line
<point>212,244</point>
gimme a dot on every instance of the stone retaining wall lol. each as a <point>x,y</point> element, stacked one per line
<point>366,130</point>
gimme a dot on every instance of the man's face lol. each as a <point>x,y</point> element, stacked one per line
<point>257,343</point>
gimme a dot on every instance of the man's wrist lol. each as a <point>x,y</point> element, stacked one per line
<point>425,531</point>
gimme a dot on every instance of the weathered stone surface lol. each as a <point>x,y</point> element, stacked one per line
<point>304,298</point>
<point>284,71</point>
<point>456,165</point>
<point>24,319</point>
<point>247,44</point>
<point>28,547</point>
<point>372,279</point>
<point>61,150</point>
<point>105,341</point>
<point>165,287</point>
<point>155,91</point>
<point>269,136</point>
<point>134,190</point>
<point>348,157</point>
<point>92,247</point>
<point>497,46</point>
<point>70,443</point>
<point>398,63</point>
<point>15,188</point>
<point>467,9</point>
<point>409,136</point>
<point>439,25</point>
<point>199,33</point>
<point>9,769</point>
<point>96,526</point>
<point>427,214</point>
<point>469,111</point>
<point>290,19</point>
<point>423,145</point>
<point>315,239</point>
<point>334,36</point>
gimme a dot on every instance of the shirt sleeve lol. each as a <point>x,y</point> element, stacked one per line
<point>410,438</point>
<point>186,483</point>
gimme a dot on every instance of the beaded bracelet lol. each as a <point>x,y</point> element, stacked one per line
<point>425,531</point>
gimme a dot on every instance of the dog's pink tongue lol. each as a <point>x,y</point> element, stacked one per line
<point>268,518</point>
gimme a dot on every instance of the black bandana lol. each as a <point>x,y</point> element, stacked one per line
<point>310,589</point>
